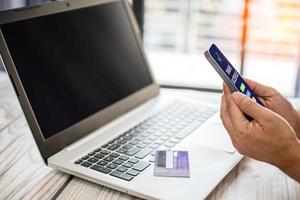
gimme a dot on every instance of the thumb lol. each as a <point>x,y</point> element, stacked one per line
<point>249,106</point>
<point>260,89</point>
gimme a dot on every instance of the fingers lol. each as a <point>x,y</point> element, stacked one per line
<point>238,119</point>
<point>226,119</point>
<point>249,107</point>
<point>260,89</point>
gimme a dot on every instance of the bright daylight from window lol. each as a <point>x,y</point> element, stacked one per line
<point>177,32</point>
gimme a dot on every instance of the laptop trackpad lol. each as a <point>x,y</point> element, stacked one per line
<point>214,135</point>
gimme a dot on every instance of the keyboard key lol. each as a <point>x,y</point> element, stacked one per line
<point>104,146</point>
<point>121,141</point>
<point>135,133</point>
<point>98,149</point>
<point>120,175</point>
<point>132,151</point>
<point>86,164</point>
<point>164,137</point>
<point>132,172</point>
<point>92,153</point>
<point>118,162</point>
<point>128,137</point>
<point>133,160</point>
<point>143,153</point>
<point>102,163</point>
<point>147,141</point>
<point>99,156</point>
<point>141,166</point>
<point>93,160</point>
<point>112,141</point>
<point>134,142</point>
<point>159,141</point>
<point>182,134</point>
<point>169,144</point>
<point>140,128</point>
<point>127,146</point>
<point>163,129</point>
<point>151,130</point>
<point>108,159</point>
<point>128,165</point>
<point>114,155</point>
<point>179,126</point>
<point>121,150</point>
<point>169,134</point>
<point>122,157</point>
<point>158,133</point>
<point>168,126</point>
<point>101,169</point>
<point>105,152</point>
<point>122,169</point>
<point>111,166</point>
<point>139,138</point>
<point>153,146</point>
<point>141,145</point>
<point>85,157</point>
<point>175,140</point>
<point>113,147</point>
<point>145,134</point>
<point>78,161</point>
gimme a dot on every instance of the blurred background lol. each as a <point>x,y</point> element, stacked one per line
<point>261,38</point>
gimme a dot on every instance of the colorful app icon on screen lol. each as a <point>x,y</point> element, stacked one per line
<point>248,93</point>
<point>242,87</point>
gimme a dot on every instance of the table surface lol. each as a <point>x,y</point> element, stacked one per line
<point>23,174</point>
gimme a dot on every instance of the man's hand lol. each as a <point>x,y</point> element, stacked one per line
<point>268,137</point>
<point>274,101</point>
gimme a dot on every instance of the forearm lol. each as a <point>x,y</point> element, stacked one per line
<point>290,162</point>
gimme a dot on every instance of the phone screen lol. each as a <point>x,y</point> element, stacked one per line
<point>235,78</point>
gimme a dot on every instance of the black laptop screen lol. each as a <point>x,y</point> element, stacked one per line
<point>76,63</point>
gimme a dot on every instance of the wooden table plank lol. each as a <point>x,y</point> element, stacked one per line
<point>23,174</point>
<point>9,105</point>
<point>82,189</point>
<point>8,111</point>
<point>252,179</point>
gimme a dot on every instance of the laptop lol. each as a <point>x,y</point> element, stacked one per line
<point>94,108</point>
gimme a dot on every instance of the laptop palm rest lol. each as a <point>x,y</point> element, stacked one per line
<point>213,134</point>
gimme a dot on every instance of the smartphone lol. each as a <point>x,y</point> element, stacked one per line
<point>228,73</point>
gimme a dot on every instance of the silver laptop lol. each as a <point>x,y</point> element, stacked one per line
<point>94,109</point>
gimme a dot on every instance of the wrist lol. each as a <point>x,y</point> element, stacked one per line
<point>290,159</point>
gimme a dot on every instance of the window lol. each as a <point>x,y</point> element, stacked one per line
<point>272,47</point>
<point>10,4</point>
<point>177,32</point>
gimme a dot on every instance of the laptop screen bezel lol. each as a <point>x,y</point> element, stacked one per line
<point>62,139</point>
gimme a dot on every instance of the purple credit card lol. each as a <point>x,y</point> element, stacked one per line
<point>172,164</point>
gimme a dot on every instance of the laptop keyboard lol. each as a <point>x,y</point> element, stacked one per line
<point>127,155</point>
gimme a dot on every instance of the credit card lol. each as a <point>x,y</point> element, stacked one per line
<point>172,164</point>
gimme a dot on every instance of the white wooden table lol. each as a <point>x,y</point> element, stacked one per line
<point>23,174</point>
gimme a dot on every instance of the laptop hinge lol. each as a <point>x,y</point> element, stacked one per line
<point>81,141</point>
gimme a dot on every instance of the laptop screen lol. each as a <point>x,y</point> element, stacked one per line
<point>76,63</point>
